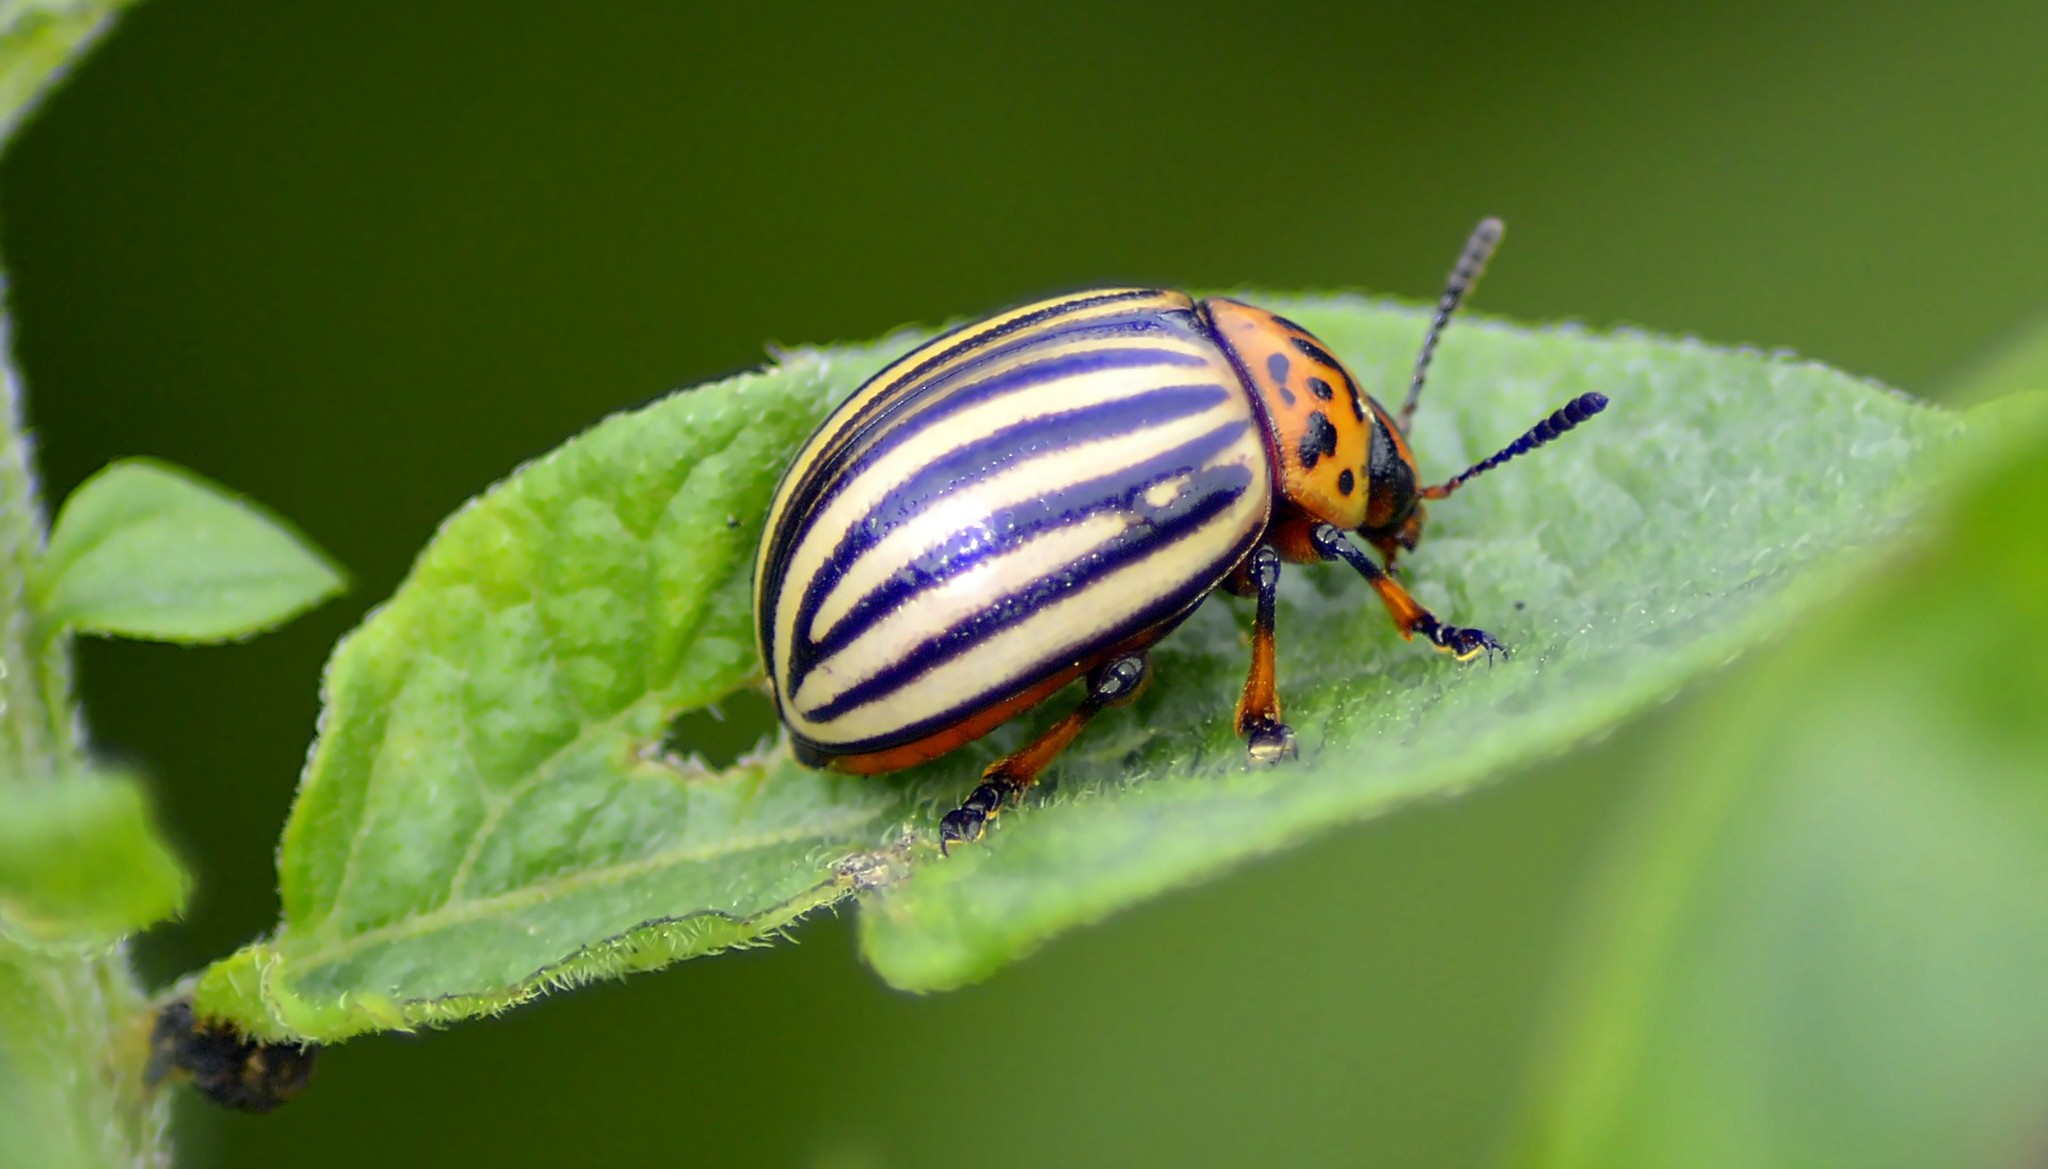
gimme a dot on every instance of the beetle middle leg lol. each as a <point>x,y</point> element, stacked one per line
<point>1408,614</point>
<point>1113,683</point>
<point>1267,739</point>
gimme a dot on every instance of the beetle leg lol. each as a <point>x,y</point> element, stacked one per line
<point>1408,614</point>
<point>1267,739</point>
<point>1111,684</point>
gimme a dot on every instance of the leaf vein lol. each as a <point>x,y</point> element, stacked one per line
<point>455,913</point>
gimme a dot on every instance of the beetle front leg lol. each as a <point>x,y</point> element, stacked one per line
<point>1267,739</point>
<point>1112,684</point>
<point>1408,614</point>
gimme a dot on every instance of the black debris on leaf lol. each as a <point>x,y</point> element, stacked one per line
<point>231,1069</point>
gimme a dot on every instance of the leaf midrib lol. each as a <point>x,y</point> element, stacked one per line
<point>459,912</point>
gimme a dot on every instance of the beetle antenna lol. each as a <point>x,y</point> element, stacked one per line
<point>1564,418</point>
<point>1464,277</point>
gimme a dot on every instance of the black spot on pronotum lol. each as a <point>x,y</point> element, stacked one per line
<point>1319,439</point>
<point>228,1067</point>
<point>1322,389</point>
<point>1277,368</point>
<point>1315,352</point>
<point>1346,481</point>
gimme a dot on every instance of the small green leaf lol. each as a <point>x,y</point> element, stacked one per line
<point>38,40</point>
<point>1822,936</point>
<point>490,810</point>
<point>81,863</point>
<point>2017,366</point>
<point>151,551</point>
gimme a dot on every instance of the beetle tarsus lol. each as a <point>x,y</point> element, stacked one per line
<point>1113,683</point>
<point>1270,741</point>
<point>982,804</point>
<point>1460,642</point>
<point>1267,739</point>
<point>958,825</point>
<point>1408,614</point>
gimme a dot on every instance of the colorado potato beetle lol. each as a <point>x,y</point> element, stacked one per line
<point>1040,496</point>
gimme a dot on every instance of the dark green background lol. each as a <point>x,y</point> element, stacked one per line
<point>359,260</point>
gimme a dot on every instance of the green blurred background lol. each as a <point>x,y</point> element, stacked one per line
<point>358,260</point>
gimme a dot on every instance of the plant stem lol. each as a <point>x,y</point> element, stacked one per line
<point>29,744</point>
<point>73,1027</point>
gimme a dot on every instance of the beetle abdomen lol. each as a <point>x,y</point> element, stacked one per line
<point>1001,506</point>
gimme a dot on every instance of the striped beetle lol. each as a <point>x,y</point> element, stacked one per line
<point>1040,496</point>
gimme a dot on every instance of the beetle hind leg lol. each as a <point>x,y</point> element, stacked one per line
<point>1111,684</point>
<point>1267,739</point>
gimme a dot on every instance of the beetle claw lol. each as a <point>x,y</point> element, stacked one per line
<point>1271,742</point>
<point>982,804</point>
<point>1462,643</point>
<point>960,824</point>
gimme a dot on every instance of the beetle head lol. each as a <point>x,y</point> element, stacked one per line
<point>1393,503</point>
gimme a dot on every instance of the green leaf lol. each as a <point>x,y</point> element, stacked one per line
<point>494,806</point>
<point>81,863</point>
<point>1710,504</point>
<point>2017,366</point>
<point>151,551</point>
<point>38,39</point>
<point>489,811</point>
<point>1822,937</point>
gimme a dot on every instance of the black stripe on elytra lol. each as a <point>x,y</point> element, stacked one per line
<point>954,343</point>
<point>1135,324</point>
<point>826,479</point>
<point>938,351</point>
<point>1001,532</point>
<point>1318,440</point>
<point>1211,492</point>
<point>1160,617</point>
<point>831,468</point>
<point>894,432</point>
<point>990,454</point>
<point>1028,321</point>
<point>976,354</point>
